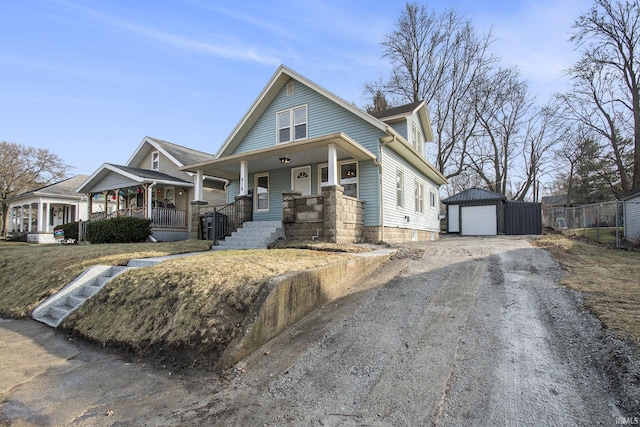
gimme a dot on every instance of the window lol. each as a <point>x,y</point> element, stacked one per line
<point>155,161</point>
<point>416,139</point>
<point>399,188</point>
<point>432,199</point>
<point>291,88</point>
<point>296,116</point>
<point>348,175</point>
<point>262,192</point>
<point>419,196</point>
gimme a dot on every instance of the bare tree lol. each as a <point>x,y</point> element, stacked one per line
<point>608,74</point>
<point>24,169</point>
<point>438,59</point>
<point>502,108</point>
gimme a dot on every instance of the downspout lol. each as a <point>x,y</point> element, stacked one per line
<point>384,141</point>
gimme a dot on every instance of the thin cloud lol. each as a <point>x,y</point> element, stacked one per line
<point>223,49</point>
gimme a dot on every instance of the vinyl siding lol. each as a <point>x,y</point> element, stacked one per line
<point>401,128</point>
<point>395,216</point>
<point>324,117</point>
<point>632,219</point>
<point>166,166</point>
<point>111,181</point>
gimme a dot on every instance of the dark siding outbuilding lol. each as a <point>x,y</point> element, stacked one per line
<point>469,213</point>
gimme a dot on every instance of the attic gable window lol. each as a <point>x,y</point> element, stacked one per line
<point>155,161</point>
<point>416,139</point>
<point>296,118</point>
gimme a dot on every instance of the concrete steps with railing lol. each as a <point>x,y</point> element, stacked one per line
<point>253,235</point>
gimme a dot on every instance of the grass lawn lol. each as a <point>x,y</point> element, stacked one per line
<point>175,308</point>
<point>610,278</point>
<point>604,235</point>
<point>29,273</point>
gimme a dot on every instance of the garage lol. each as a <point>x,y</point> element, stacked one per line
<point>475,212</point>
<point>479,220</point>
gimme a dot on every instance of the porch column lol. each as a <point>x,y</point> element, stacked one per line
<point>333,165</point>
<point>117,192</point>
<point>47,219</point>
<point>89,205</point>
<point>244,178</point>
<point>150,200</point>
<point>197,186</point>
<point>106,202</point>
<point>21,218</point>
<point>30,215</point>
<point>12,220</point>
<point>40,216</point>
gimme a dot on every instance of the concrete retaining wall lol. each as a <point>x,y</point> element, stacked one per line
<point>288,298</point>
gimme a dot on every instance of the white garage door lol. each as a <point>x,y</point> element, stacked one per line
<point>479,221</point>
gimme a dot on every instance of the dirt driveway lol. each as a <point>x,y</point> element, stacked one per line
<point>462,331</point>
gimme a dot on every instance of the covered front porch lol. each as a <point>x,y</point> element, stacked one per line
<point>333,167</point>
<point>122,191</point>
<point>37,217</point>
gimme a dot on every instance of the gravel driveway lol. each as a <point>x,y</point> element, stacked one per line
<point>461,331</point>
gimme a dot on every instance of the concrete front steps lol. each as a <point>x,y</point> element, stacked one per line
<point>57,307</point>
<point>253,235</point>
<point>54,310</point>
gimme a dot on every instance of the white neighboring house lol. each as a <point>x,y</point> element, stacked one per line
<point>37,212</point>
<point>632,217</point>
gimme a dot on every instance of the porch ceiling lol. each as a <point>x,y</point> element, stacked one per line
<point>301,153</point>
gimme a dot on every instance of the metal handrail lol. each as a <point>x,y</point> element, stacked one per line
<point>221,222</point>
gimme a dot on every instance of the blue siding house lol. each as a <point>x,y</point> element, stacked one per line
<point>325,169</point>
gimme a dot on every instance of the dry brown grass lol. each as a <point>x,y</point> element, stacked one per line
<point>191,303</point>
<point>609,277</point>
<point>29,273</point>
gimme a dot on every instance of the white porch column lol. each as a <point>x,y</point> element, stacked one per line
<point>21,218</point>
<point>30,215</point>
<point>333,165</point>
<point>12,219</point>
<point>244,178</point>
<point>41,216</point>
<point>150,200</point>
<point>197,186</point>
<point>47,217</point>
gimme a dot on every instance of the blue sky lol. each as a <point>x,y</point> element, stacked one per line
<point>88,80</point>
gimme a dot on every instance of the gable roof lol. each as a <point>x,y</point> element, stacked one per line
<point>474,194</point>
<point>65,189</point>
<point>134,176</point>
<point>275,85</point>
<point>403,111</point>
<point>277,82</point>
<point>178,154</point>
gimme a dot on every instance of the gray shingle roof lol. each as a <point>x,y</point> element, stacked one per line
<point>149,174</point>
<point>186,156</point>
<point>474,194</point>
<point>62,188</point>
<point>396,111</point>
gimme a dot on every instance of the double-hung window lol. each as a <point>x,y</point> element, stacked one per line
<point>432,199</point>
<point>155,161</point>
<point>292,124</point>
<point>348,177</point>
<point>416,139</point>
<point>399,188</point>
<point>419,196</point>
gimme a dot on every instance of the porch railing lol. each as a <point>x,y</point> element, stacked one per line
<point>222,221</point>
<point>160,218</point>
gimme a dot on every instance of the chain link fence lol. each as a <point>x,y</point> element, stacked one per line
<point>600,222</point>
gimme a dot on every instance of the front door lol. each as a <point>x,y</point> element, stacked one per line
<point>301,180</point>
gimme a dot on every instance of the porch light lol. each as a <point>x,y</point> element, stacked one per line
<point>285,160</point>
<point>351,172</point>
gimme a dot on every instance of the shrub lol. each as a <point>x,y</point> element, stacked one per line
<point>70,230</point>
<point>121,229</point>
